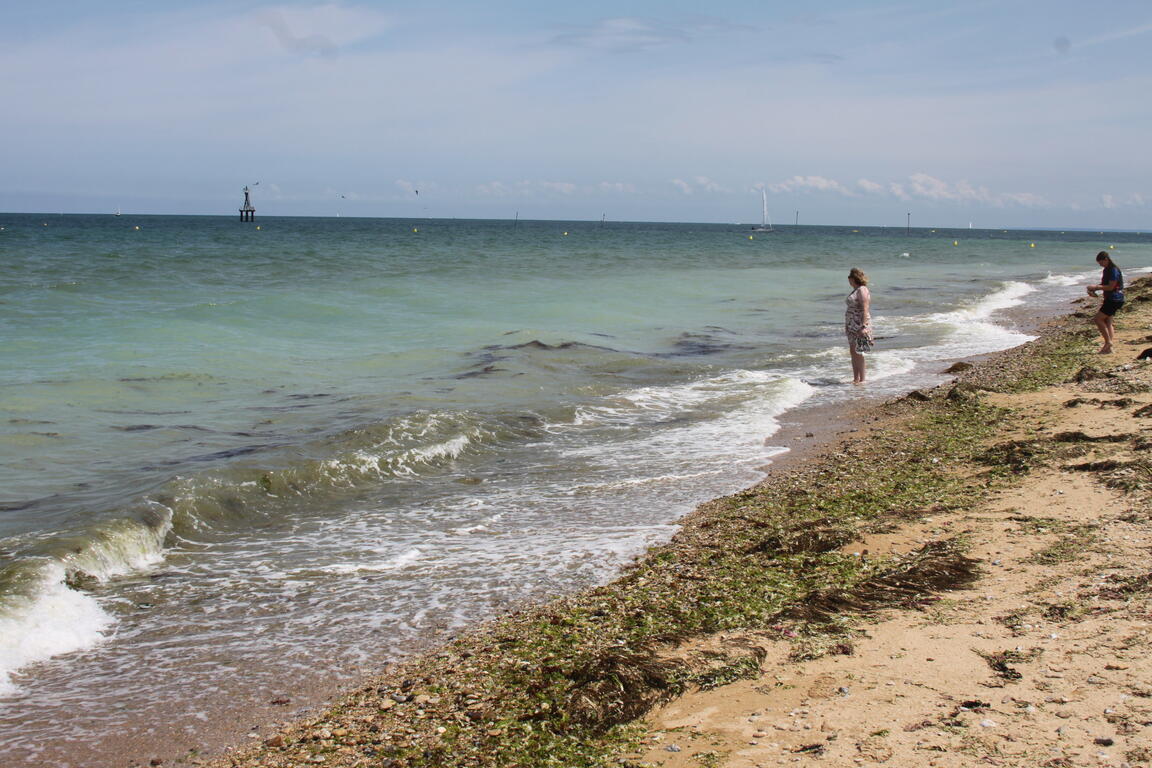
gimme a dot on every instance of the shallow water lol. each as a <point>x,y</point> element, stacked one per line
<point>236,462</point>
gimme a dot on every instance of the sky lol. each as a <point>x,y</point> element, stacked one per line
<point>1004,113</point>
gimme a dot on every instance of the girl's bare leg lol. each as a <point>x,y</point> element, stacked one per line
<point>1104,325</point>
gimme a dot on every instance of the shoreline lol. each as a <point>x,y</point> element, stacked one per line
<point>807,431</point>
<point>428,682</point>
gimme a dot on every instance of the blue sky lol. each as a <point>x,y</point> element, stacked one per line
<point>1006,113</point>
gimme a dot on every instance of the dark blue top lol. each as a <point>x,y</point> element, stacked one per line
<point>1112,274</point>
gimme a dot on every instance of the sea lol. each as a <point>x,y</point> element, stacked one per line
<point>243,464</point>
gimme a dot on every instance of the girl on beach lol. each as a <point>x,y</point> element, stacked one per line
<point>1112,283</point>
<point>858,322</point>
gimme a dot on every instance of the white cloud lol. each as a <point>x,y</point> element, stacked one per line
<point>708,185</point>
<point>561,187</point>
<point>1119,34</point>
<point>931,188</point>
<point>1026,199</point>
<point>923,185</point>
<point>809,184</point>
<point>527,189</point>
<point>700,184</point>
<point>623,34</point>
<point>1109,201</point>
<point>918,186</point>
<point>493,189</point>
<point>616,187</point>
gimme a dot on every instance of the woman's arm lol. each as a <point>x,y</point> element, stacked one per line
<point>865,301</point>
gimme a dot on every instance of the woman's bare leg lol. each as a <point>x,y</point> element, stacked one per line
<point>857,365</point>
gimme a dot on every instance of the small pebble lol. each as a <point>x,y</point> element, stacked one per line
<point>671,748</point>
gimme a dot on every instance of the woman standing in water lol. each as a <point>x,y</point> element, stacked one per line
<point>858,322</point>
<point>1112,283</point>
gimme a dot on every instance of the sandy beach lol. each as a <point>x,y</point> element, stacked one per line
<point>960,580</point>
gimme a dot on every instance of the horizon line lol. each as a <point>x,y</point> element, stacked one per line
<point>1009,228</point>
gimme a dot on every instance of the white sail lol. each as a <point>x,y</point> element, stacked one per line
<point>765,222</point>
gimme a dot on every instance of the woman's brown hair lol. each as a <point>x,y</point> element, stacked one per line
<point>858,275</point>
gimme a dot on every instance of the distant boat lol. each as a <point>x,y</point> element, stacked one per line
<point>765,222</point>
<point>117,210</point>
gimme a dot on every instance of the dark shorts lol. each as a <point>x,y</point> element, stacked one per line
<point>1110,306</point>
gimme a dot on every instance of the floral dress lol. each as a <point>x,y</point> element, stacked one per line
<point>857,320</point>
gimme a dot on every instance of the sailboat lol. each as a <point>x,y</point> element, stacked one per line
<point>765,222</point>
<point>117,211</point>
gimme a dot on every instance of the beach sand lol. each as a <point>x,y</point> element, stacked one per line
<point>1042,662</point>
<point>991,605</point>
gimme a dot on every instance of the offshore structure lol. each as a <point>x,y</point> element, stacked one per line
<point>247,211</point>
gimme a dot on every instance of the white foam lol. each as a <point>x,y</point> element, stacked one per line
<point>653,404</point>
<point>52,620</point>
<point>757,400</point>
<point>1011,294</point>
<point>408,557</point>
<point>971,330</point>
<point>1062,281</point>
<point>44,617</point>
<point>406,462</point>
<point>888,364</point>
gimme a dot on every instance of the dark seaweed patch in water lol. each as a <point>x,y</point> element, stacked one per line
<point>216,455</point>
<point>308,397</point>
<point>481,372</point>
<point>700,344</point>
<point>819,333</point>
<point>169,377</point>
<point>142,413</point>
<point>185,427</point>
<point>537,344</point>
<point>489,354</point>
<point>823,382</point>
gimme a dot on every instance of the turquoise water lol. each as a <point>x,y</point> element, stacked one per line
<point>228,453</point>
